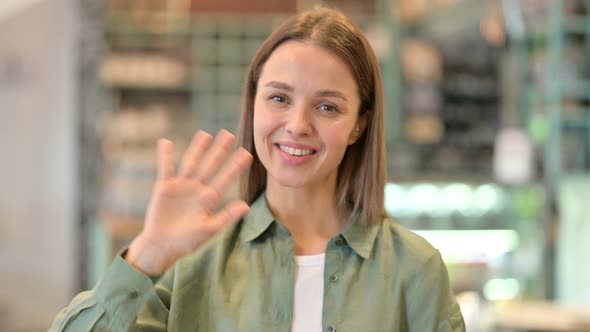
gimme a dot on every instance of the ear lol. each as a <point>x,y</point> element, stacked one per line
<point>359,129</point>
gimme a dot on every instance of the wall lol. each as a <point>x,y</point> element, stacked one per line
<point>38,207</point>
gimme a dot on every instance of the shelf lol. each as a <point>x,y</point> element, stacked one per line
<point>187,87</point>
<point>581,91</point>
<point>581,123</point>
<point>577,24</point>
<point>442,23</point>
<point>120,23</point>
<point>571,25</point>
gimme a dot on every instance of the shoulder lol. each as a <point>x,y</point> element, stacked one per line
<point>409,248</point>
<point>424,278</point>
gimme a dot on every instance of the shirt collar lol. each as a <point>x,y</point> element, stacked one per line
<point>257,220</point>
<point>359,235</point>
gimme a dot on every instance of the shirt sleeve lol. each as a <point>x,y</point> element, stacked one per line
<point>124,300</point>
<point>430,301</point>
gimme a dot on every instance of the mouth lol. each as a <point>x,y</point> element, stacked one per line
<point>296,152</point>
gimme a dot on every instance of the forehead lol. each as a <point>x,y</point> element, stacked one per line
<point>306,64</point>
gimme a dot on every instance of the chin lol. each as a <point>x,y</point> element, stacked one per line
<point>289,179</point>
<point>290,182</point>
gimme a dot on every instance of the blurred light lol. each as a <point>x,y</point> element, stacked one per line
<point>501,289</point>
<point>441,201</point>
<point>487,198</point>
<point>424,199</point>
<point>457,197</point>
<point>465,246</point>
<point>394,200</point>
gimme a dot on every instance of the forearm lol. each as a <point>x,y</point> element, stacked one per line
<point>113,305</point>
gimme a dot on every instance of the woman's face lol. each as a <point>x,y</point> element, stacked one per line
<point>305,115</point>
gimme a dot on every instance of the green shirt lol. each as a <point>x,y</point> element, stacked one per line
<point>377,278</point>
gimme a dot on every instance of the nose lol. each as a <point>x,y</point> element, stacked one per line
<point>299,121</point>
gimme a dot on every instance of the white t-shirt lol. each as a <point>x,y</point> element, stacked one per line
<point>309,293</point>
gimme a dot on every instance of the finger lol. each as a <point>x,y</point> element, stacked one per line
<point>209,198</point>
<point>216,154</point>
<point>236,165</point>
<point>231,213</point>
<point>165,159</point>
<point>192,157</point>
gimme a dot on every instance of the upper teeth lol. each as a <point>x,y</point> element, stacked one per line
<point>295,152</point>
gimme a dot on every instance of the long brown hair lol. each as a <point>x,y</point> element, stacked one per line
<point>362,172</point>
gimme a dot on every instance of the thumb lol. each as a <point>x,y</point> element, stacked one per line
<point>231,213</point>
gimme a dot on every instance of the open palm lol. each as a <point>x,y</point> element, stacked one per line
<point>184,209</point>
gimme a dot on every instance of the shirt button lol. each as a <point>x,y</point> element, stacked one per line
<point>285,261</point>
<point>338,242</point>
<point>280,316</point>
<point>333,277</point>
<point>331,328</point>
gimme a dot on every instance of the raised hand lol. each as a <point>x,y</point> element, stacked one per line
<point>184,209</point>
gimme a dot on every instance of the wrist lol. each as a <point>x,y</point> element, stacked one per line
<point>146,257</point>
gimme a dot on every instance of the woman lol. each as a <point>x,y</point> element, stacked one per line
<point>309,247</point>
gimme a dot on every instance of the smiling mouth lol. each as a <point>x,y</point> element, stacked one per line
<point>296,152</point>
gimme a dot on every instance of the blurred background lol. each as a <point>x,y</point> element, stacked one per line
<point>488,133</point>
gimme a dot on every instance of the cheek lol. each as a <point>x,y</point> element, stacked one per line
<point>258,117</point>
<point>337,141</point>
<point>261,126</point>
<point>339,135</point>
<point>259,121</point>
<point>256,127</point>
<point>265,121</point>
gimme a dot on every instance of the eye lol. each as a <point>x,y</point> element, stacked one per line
<point>328,108</point>
<point>278,99</point>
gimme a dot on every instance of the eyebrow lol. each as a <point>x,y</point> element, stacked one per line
<point>321,93</point>
<point>332,93</point>
<point>279,85</point>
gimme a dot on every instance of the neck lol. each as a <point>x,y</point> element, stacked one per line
<point>310,214</point>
